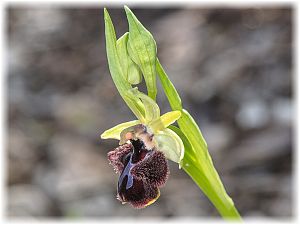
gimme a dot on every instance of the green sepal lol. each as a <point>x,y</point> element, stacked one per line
<point>115,132</point>
<point>164,121</point>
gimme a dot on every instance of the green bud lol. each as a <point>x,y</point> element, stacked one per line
<point>131,71</point>
<point>142,49</point>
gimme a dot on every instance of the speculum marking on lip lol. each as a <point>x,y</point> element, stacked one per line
<point>126,173</point>
<point>126,189</point>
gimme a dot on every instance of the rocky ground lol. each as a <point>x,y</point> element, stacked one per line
<point>232,67</point>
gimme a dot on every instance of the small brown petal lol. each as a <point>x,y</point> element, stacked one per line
<point>116,156</point>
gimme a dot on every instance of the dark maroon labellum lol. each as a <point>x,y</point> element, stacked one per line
<point>142,172</point>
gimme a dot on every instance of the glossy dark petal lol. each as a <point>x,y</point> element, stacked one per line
<point>154,169</point>
<point>152,194</point>
<point>135,193</point>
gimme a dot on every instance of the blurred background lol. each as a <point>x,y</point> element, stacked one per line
<point>231,66</point>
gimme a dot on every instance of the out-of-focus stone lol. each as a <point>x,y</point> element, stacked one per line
<point>217,136</point>
<point>183,198</point>
<point>28,201</point>
<point>93,206</point>
<point>74,113</point>
<point>22,156</point>
<point>253,114</point>
<point>280,207</point>
<point>282,111</point>
<point>77,170</point>
<point>260,148</point>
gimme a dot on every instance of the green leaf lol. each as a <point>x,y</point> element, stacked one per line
<point>219,198</point>
<point>115,132</point>
<point>142,49</point>
<point>201,176</point>
<point>214,187</point>
<point>186,122</point>
<point>189,127</point>
<point>131,71</point>
<point>169,89</point>
<point>115,68</point>
<point>170,144</point>
<point>198,163</point>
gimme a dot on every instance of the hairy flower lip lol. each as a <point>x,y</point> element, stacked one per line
<point>142,172</point>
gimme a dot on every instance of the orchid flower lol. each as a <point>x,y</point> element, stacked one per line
<point>141,157</point>
<point>145,143</point>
